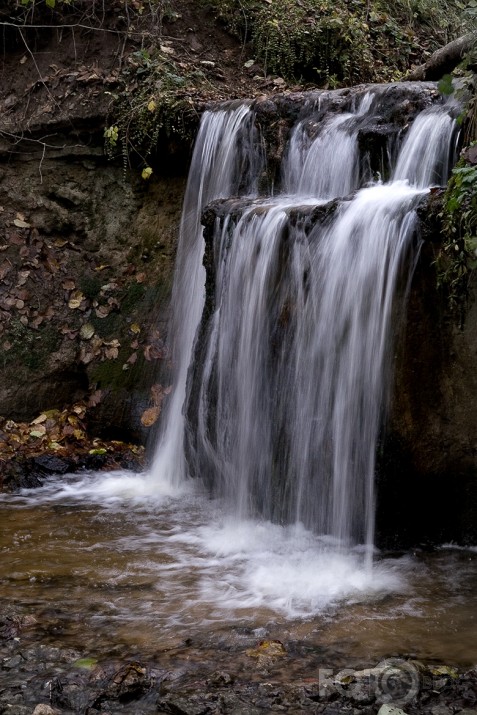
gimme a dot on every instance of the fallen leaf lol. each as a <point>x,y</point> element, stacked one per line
<point>149,416</point>
<point>75,299</point>
<point>16,239</point>
<point>37,433</point>
<point>157,395</point>
<point>40,419</point>
<point>95,398</point>
<point>21,224</point>
<point>5,268</point>
<point>22,278</point>
<point>271,649</point>
<point>102,311</point>
<point>87,331</point>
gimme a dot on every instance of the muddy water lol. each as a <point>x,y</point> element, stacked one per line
<point>116,564</point>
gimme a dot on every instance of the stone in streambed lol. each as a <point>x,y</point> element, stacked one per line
<point>390,710</point>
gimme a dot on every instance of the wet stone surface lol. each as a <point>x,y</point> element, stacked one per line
<point>45,680</point>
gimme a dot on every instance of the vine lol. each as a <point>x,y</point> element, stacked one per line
<point>154,97</point>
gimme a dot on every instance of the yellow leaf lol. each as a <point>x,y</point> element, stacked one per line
<point>146,173</point>
<point>151,106</point>
<point>40,419</point>
<point>87,331</point>
<point>37,433</point>
<point>19,223</point>
<point>135,328</point>
<point>149,416</point>
<point>75,300</point>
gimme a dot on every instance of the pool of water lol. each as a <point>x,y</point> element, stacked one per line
<point>110,563</point>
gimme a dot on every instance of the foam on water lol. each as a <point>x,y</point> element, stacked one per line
<point>207,566</point>
<point>104,488</point>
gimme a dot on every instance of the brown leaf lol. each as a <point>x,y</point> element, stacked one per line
<point>157,395</point>
<point>16,239</point>
<point>102,311</point>
<point>132,358</point>
<point>22,278</point>
<point>68,284</point>
<point>51,263</point>
<point>149,416</point>
<point>39,420</point>
<point>95,398</point>
<point>86,356</point>
<point>5,268</point>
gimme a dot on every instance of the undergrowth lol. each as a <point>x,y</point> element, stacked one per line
<point>341,41</point>
<point>457,257</point>
<point>154,96</point>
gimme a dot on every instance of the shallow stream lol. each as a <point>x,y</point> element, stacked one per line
<point>116,565</point>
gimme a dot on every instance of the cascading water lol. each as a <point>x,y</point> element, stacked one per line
<point>288,396</point>
<point>285,395</point>
<point>225,161</point>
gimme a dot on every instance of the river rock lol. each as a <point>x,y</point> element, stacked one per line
<point>390,710</point>
<point>43,709</point>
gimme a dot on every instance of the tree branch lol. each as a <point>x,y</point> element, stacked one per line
<point>444,60</point>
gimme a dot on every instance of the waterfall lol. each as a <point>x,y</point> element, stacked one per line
<point>287,390</point>
<point>225,161</point>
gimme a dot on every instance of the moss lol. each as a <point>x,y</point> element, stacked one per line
<point>111,373</point>
<point>31,348</point>
<point>132,295</point>
<point>457,258</point>
<point>90,286</point>
<point>108,327</point>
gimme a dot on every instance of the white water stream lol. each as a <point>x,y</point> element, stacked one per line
<point>291,397</point>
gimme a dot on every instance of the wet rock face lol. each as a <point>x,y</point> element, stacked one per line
<point>426,468</point>
<point>398,104</point>
<point>427,472</point>
<point>86,263</point>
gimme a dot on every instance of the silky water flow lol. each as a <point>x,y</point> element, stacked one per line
<point>280,390</point>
